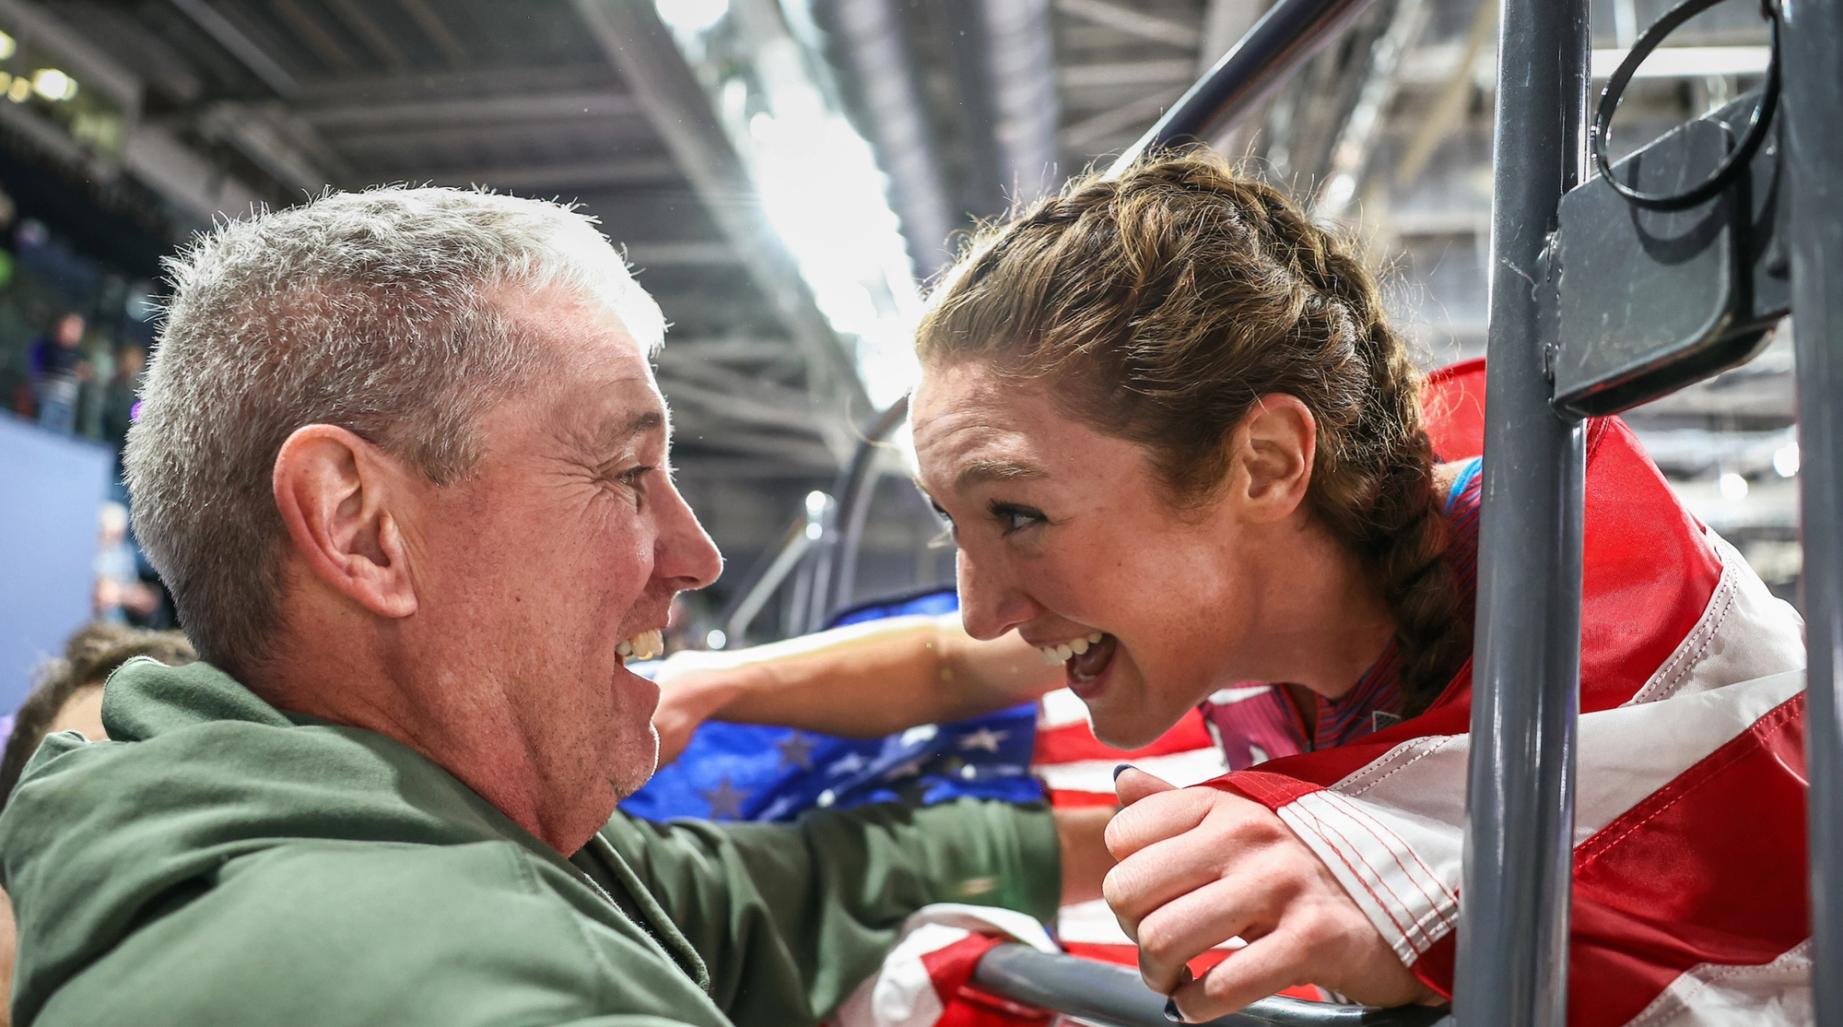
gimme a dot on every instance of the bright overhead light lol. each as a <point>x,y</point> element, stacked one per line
<point>1785,460</point>
<point>692,15</point>
<point>716,639</point>
<point>19,90</point>
<point>53,84</point>
<point>1733,487</point>
<point>7,46</point>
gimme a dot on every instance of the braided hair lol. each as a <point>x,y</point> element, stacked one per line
<point>1164,302</point>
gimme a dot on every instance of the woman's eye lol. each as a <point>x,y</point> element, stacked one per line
<point>1013,519</point>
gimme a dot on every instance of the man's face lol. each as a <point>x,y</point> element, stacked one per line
<point>566,539</point>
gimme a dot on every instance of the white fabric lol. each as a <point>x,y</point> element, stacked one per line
<point>902,994</point>
<point>1711,995</point>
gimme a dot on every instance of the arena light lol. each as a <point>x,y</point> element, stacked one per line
<point>7,46</point>
<point>822,191</point>
<point>1733,487</point>
<point>1785,460</point>
<point>694,16</point>
<point>53,84</point>
<point>20,91</point>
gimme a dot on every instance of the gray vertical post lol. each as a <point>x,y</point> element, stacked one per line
<point>1513,929</point>
<point>1812,45</point>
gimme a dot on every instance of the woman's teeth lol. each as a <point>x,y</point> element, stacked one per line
<point>1054,654</point>
<point>647,645</point>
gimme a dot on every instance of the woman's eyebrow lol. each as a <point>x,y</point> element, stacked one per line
<point>981,471</point>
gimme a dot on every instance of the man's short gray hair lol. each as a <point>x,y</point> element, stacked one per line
<point>375,311</point>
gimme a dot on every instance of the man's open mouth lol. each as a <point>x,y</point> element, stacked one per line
<point>647,645</point>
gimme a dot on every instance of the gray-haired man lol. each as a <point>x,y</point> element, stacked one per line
<point>403,464</point>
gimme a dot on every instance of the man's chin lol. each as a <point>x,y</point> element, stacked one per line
<point>629,779</point>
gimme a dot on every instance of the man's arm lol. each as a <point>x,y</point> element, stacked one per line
<point>859,681</point>
<point>788,918</point>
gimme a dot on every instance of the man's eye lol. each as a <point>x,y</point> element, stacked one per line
<point>635,478</point>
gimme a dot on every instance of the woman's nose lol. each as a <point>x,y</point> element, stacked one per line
<point>991,603</point>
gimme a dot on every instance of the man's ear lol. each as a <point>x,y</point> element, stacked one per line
<point>338,497</point>
<point>1271,457</point>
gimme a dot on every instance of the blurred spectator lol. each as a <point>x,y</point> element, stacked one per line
<point>59,369</point>
<point>68,693</point>
<point>119,594</point>
<point>120,393</point>
<point>68,697</point>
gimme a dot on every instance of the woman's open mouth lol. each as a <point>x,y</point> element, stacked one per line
<point>1085,661</point>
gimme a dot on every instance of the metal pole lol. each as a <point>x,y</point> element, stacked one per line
<point>1811,44</point>
<point>855,490</point>
<point>1290,32</point>
<point>1513,930</point>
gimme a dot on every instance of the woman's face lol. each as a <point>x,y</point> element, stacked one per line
<point>1065,535</point>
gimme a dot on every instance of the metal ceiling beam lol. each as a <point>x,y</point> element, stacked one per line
<point>727,351</point>
<point>314,34</point>
<point>287,151</point>
<point>563,176</point>
<point>471,110</point>
<point>1026,106</point>
<point>881,64</point>
<point>718,406</point>
<point>1168,71</point>
<point>357,90</point>
<point>644,255</point>
<point>687,365</point>
<point>1131,22</point>
<point>1225,22</point>
<point>1095,133</point>
<point>354,18</point>
<point>622,135</point>
<point>436,30</point>
<point>641,48</point>
<point>239,45</point>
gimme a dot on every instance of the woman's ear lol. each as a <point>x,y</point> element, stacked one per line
<point>339,500</point>
<point>1271,455</point>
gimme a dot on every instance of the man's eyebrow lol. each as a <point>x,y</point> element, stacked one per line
<point>617,433</point>
<point>981,471</point>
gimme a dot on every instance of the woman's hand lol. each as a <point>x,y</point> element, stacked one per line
<point>1198,866</point>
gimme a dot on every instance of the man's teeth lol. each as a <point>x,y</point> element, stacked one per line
<point>1054,654</point>
<point>647,645</point>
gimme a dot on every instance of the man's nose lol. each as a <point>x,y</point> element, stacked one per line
<point>686,556</point>
<point>990,602</point>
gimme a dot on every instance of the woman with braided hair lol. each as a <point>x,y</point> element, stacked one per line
<point>1182,453</point>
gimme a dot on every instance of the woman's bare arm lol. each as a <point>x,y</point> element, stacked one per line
<point>859,681</point>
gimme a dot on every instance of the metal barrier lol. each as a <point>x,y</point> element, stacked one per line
<point>1763,241</point>
<point>1113,996</point>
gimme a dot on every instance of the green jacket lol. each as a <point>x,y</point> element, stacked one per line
<point>221,862</point>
